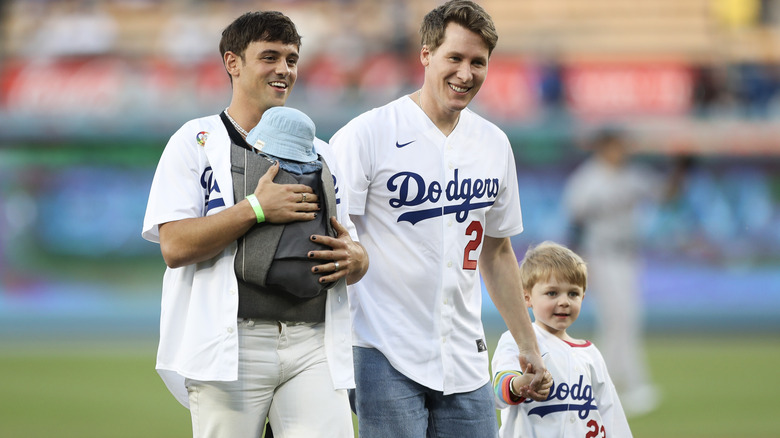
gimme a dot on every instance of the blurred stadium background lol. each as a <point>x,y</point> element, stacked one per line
<point>90,91</point>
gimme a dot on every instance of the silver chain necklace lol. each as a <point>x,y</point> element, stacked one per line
<point>241,130</point>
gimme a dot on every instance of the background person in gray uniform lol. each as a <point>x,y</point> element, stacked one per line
<point>603,196</point>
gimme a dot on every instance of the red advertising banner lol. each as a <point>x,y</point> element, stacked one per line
<point>659,89</point>
<point>106,86</point>
<point>509,93</point>
<point>63,87</point>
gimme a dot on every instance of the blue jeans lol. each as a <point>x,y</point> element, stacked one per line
<point>389,404</point>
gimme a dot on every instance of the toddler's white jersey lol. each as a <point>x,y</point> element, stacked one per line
<point>582,402</point>
<point>422,204</point>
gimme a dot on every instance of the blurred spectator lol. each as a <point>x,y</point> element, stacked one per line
<point>550,84</point>
<point>770,12</point>
<point>551,88</point>
<point>758,88</point>
<point>747,89</point>
<point>602,197</point>
<point>711,89</point>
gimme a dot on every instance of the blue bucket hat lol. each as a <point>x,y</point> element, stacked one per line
<point>285,133</point>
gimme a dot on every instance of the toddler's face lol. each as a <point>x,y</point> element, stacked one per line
<point>556,304</point>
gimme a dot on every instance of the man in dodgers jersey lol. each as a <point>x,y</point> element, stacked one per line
<point>233,371</point>
<point>433,194</point>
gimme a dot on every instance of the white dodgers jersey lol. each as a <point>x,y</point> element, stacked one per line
<point>422,203</point>
<point>582,401</point>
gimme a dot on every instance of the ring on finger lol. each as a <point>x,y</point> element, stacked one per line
<point>303,197</point>
<point>336,264</point>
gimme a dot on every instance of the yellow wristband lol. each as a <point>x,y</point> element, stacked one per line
<point>256,207</point>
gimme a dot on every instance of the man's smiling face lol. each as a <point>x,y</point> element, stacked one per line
<point>267,73</point>
<point>456,69</point>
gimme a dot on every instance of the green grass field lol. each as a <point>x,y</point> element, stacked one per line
<point>712,387</point>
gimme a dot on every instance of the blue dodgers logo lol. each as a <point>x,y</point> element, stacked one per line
<point>577,393</point>
<point>208,182</point>
<point>412,191</point>
<point>336,189</point>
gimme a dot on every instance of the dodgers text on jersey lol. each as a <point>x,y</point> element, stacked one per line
<point>214,195</point>
<point>577,397</point>
<point>413,190</point>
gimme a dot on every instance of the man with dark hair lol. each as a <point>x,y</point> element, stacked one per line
<point>433,194</point>
<point>234,347</point>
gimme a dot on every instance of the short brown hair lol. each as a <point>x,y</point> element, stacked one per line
<point>463,12</point>
<point>552,259</point>
<point>258,26</point>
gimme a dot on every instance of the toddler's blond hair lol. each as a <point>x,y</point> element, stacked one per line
<point>552,259</point>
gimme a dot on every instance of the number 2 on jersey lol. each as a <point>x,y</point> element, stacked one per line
<point>595,431</point>
<point>473,228</point>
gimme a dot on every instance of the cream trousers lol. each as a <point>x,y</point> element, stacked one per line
<point>282,375</point>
